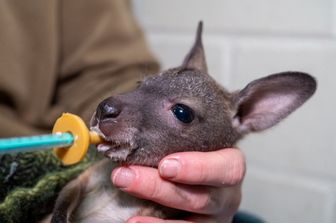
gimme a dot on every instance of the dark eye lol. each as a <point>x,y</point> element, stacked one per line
<point>183,113</point>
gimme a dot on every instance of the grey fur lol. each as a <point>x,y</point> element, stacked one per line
<point>140,127</point>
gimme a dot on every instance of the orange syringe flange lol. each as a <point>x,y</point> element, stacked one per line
<point>82,138</point>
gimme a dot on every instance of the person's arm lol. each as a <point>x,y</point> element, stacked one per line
<point>207,184</point>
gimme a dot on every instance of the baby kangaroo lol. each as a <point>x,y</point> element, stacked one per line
<point>180,109</point>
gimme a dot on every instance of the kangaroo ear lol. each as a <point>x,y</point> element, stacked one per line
<point>266,101</point>
<point>195,59</point>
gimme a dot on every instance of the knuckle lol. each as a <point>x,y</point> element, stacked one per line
<point>237,169</point>
<point>202,174</point>
<point>195,199</point>
<point>154,191</point>
<point>237,176</point>
<point>205,204</point>
<point>200,205</point>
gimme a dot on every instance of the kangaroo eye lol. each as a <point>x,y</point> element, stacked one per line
<point>183,113</point>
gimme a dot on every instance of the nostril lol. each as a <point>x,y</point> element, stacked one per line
<point>107,110</point>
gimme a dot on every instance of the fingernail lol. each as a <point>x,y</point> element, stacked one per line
<point>169,168</point>
<point>123,177</point>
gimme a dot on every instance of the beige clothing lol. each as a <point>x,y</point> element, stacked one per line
<point>65,56</point>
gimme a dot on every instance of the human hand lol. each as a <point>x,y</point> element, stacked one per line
<point>206,184</point>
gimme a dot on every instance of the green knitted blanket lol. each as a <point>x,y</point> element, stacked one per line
<point>30,182</point>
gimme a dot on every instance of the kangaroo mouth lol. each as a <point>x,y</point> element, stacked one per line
<point>115,150</point>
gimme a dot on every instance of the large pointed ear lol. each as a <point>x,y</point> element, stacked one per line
<point>195,59</point>
<point>266,101</point>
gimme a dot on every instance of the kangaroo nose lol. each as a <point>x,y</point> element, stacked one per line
<point>108,109</point>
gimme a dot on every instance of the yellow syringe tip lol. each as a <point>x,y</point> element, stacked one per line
<point>95,138</point>
<point>82,138</point>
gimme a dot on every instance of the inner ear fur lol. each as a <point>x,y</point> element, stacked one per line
<point>266,101</point>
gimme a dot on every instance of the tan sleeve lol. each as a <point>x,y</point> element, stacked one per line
<point>110,57</point>
<point>28,61</point>
<point>90,50</point>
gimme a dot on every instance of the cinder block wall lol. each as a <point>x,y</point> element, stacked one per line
<point>291,169</point>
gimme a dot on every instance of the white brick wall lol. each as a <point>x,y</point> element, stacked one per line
<point>305,17</point>
<point>292,168</point>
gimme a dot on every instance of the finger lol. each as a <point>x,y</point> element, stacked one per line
<point>194,219</point>
<point>141,219</point>
<point>224,167</point>
<point>145,182</point>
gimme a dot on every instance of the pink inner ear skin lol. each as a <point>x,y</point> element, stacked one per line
<point>265,111</point>
<point>274,103</point>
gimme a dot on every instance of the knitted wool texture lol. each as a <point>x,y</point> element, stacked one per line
<point>30,183</point>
